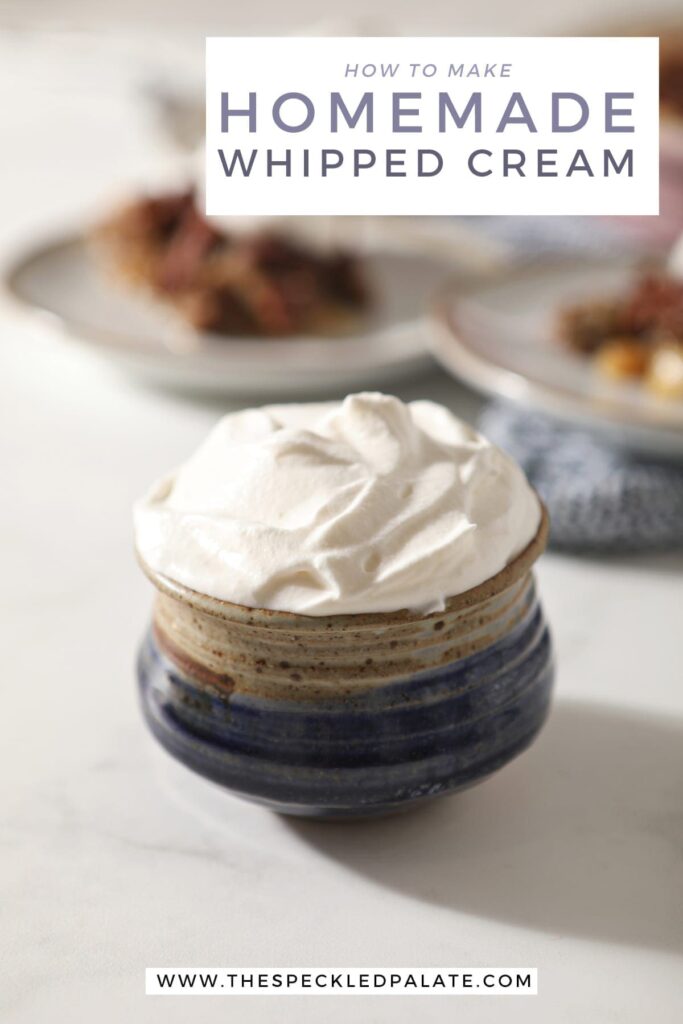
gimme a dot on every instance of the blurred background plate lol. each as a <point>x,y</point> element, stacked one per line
<point>60,281</point>
<point>500,336</point>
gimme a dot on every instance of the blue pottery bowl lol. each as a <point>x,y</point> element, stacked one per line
<point>354,715</point>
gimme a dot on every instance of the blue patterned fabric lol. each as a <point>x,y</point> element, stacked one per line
<point>599,498</point>
<point>534,238</point>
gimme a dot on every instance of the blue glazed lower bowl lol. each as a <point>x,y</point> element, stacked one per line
<point>348,716</point>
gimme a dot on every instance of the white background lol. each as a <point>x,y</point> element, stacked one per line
<point>568,860</point>
<point>316,68</point>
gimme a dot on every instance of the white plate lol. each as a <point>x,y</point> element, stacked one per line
<point>500,336</point>
<point>60,281</point>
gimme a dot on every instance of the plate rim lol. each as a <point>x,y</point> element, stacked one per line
<point>99,340</point>
<point>450,349</point>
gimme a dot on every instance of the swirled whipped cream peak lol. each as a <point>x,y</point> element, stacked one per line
<point>365,505</point>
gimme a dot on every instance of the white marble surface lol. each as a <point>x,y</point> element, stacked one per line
<point>112,859</point>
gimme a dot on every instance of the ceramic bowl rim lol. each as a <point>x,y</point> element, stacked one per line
<point>231,612</point>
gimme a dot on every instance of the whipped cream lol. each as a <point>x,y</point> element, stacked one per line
<point>367,505</point>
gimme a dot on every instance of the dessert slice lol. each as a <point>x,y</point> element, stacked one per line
<point>258,284</point>
<point>636,335</point>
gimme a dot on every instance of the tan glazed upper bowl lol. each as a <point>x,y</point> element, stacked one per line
<point>349,714</point>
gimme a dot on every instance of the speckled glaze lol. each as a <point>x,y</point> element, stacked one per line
<point>349,715</point>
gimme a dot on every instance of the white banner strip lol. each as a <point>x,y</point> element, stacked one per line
<point>395,126</point>
<point>299,981</point>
